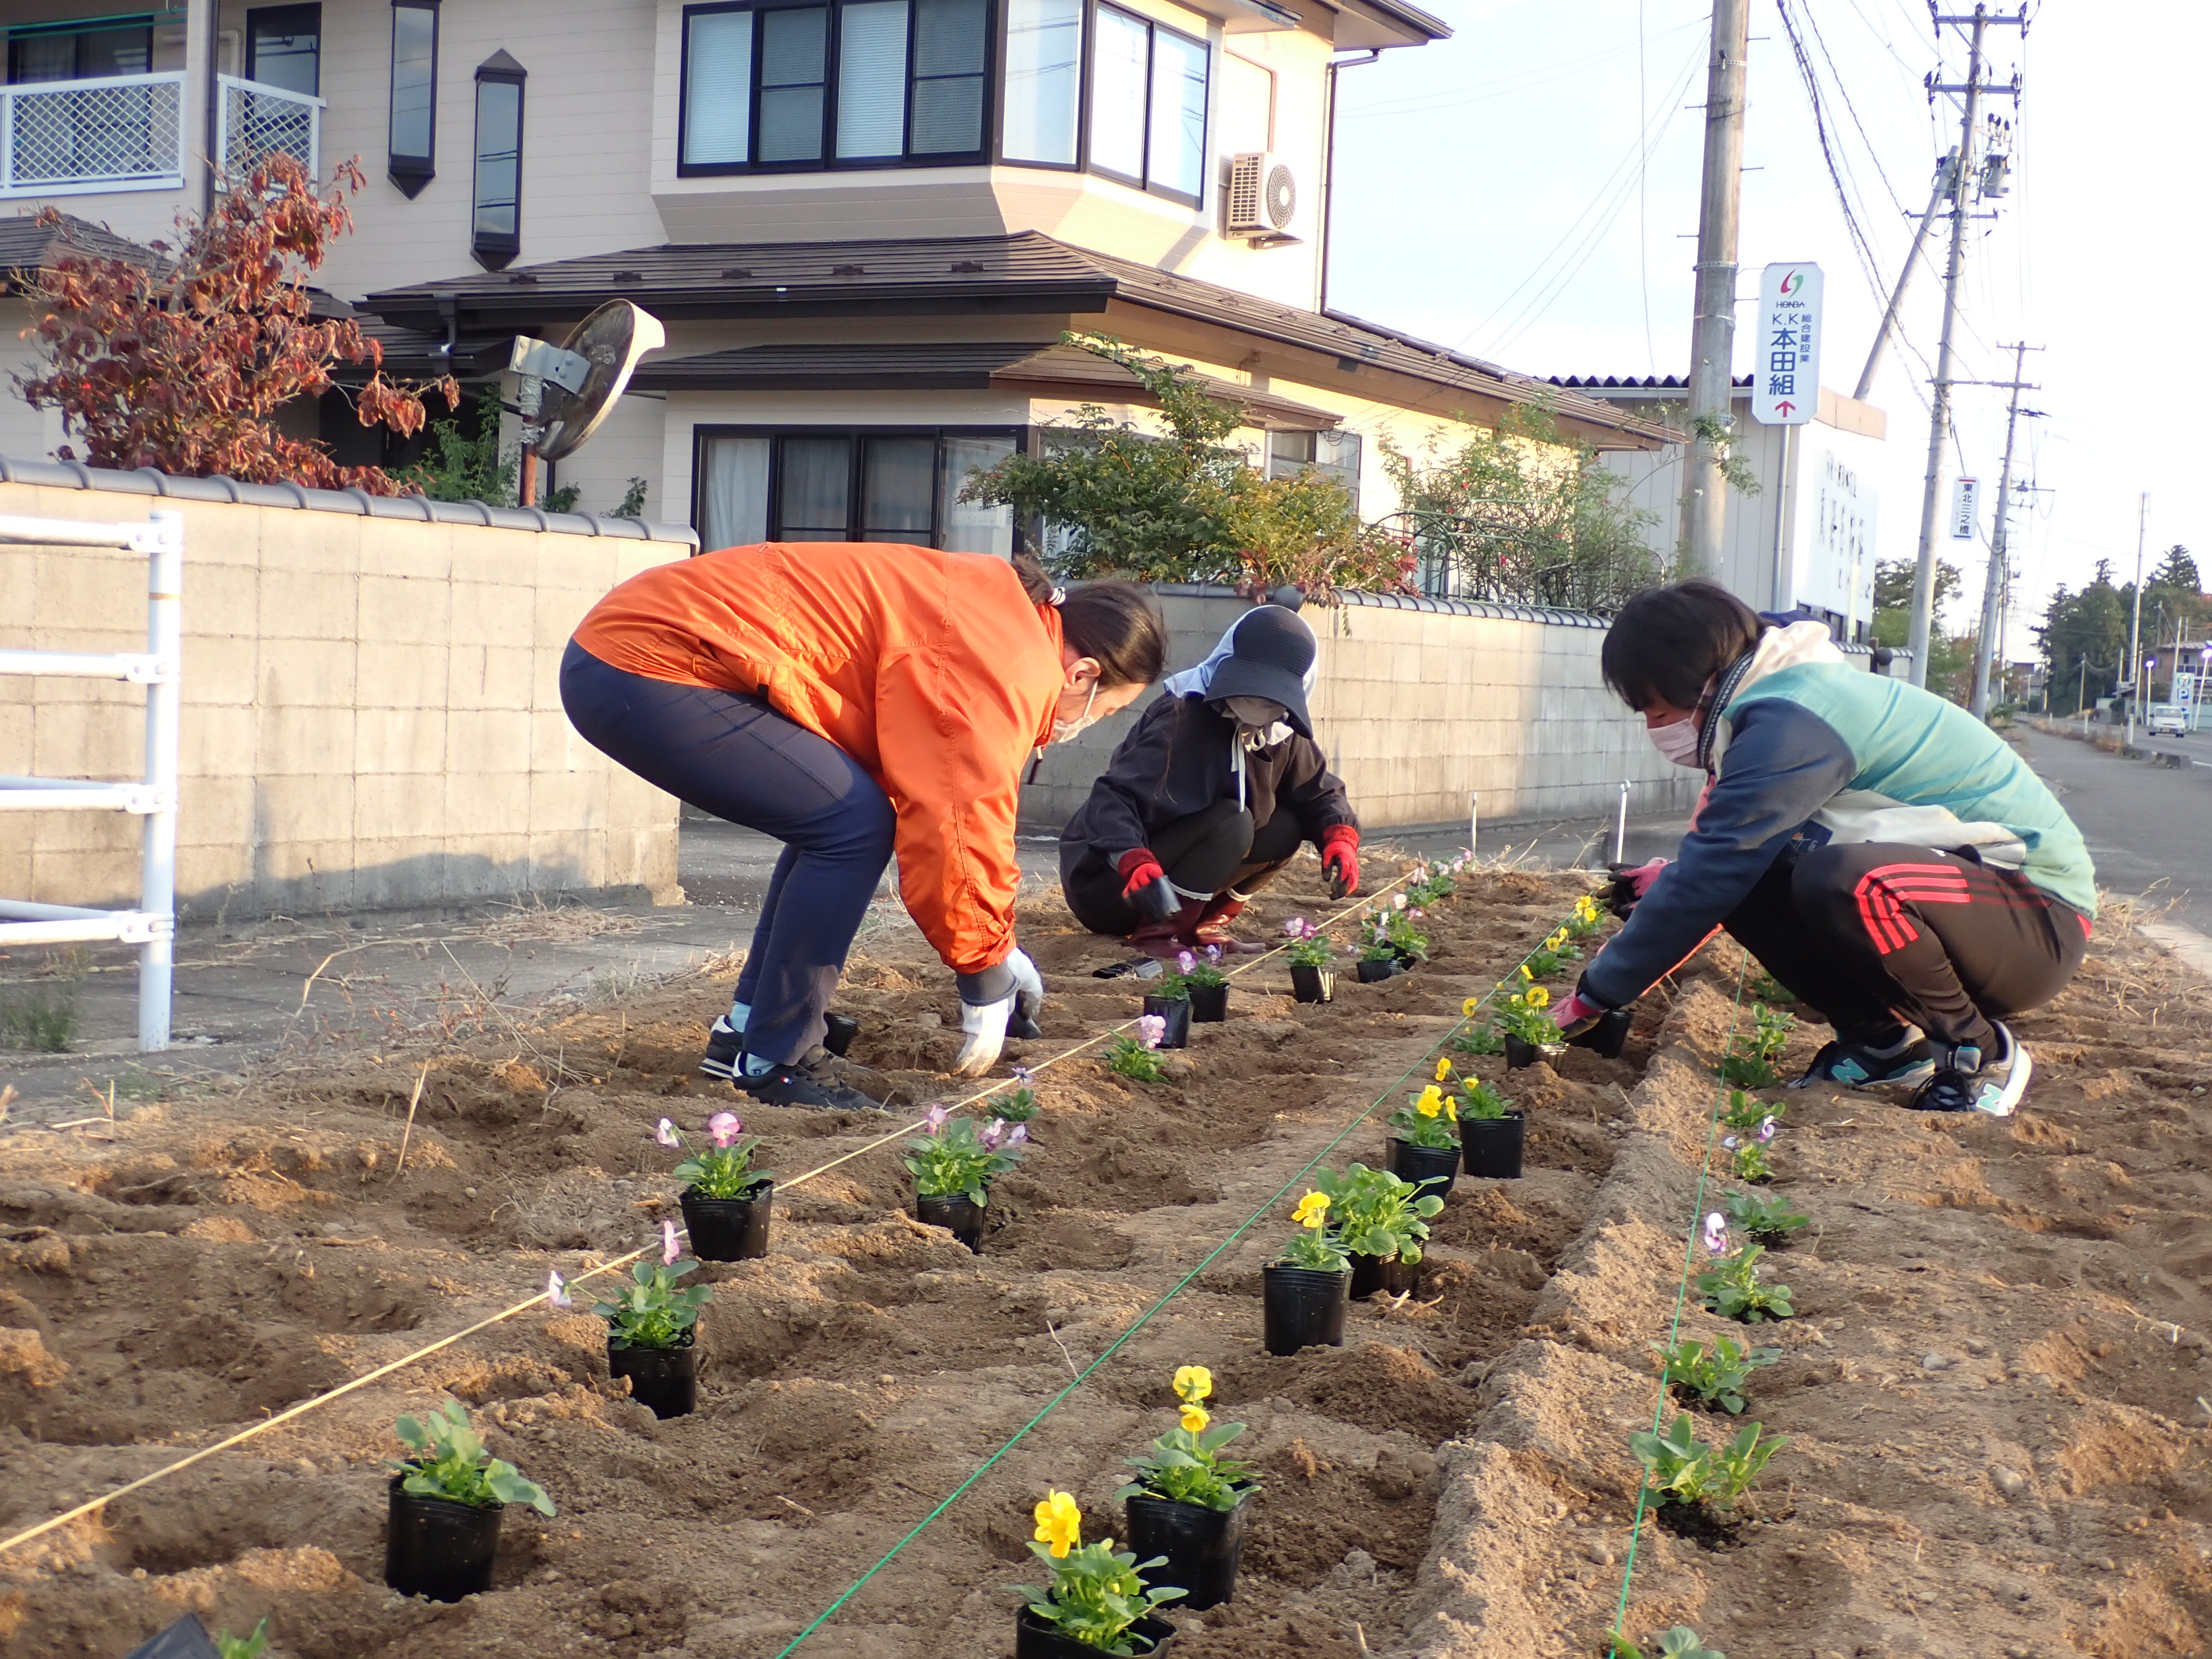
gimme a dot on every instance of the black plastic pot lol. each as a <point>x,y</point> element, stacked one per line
<point>1607,1037</point>
<point>1209,1004</point>
<point>1491,1146</point>
<point>1035,1641</point>
<point>958,1214</point>
<point>1391,1276</point>
<point>1312,984</point>
<point>1302,1307</point>
<point>1373,970</point>
<point>1519,1054</point>
<point>435,1547</point>
<point>1431,1169</point>
<point>1175,1011</point>
<point>1202,1547</point>
<point>727,1229</point>
<point>842,1029</point>
<point>664,1380</point>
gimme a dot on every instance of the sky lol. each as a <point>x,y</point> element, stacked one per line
<point>1490,199</point>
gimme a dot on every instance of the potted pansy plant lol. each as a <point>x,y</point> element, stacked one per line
<point>1169,1002</point>
<point>1381,1221</point>
<point>444,1507</point>
<point>1312,979</point>
<point>1425,1144</point>
<point>1530,1034</point>
<point>1209,986</point>
<point>953,1165</point>
<point>1303,1291</point>
<point>652,1329</point>
<point>1137,1058</point>
<point>1491,1134</point>
<point>725,1207</point>
<point>1187,1504</point>
<point>1098,1600</point>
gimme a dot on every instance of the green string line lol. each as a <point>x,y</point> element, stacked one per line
<point>1466,1019</point>
<point>1681,1295</point>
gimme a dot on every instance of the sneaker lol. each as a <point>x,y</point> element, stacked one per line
<point>805,1084</point>
<point>1967,1084</point>
<point>1858,1065</point>
<point>725,1043</point>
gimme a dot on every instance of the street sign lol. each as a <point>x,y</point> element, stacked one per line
<point>1965,508</point>
<point>2184,687</point>
<point>1785,377</point>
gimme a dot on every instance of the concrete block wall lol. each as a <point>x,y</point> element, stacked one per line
<point>1420,705</point>
<point>372,715</point>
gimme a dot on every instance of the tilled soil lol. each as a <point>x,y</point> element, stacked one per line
<point>211,1261</point>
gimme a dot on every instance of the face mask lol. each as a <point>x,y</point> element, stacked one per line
<point>1063,730</point>
<point>1677,740</point>
<point>1255,714</point>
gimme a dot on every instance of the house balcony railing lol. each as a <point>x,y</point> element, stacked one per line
<point>259,121</point>
<point>75,137</point>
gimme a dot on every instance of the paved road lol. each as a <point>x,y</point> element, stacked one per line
<point>2148,827</point>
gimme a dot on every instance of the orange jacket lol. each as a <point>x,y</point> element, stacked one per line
<point>934,670</point>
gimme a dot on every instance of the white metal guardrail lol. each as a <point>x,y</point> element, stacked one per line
<point>259,121</point>
<point>152,798</point>
<point>74,137</point>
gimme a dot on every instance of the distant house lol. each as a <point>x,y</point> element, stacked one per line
<point>1808,542</point>
<point>865,222</point>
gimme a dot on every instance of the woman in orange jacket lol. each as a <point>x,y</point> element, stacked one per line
<point>852,699</point>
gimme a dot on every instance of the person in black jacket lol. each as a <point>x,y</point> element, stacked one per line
<point>1209,795</point>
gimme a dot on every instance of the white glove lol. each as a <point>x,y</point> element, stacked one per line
<point>1029,986</point>
<point>983,1024</point>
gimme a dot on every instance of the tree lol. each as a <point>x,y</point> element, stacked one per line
<point>1185,505</point>
<point>1520,514</point>
<point>1950,656</point>
<point>1892,585</point>
<point>182,364</point>
<point>2085,639</point>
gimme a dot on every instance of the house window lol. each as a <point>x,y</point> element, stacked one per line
<point>414,142</point>
<point>72,51</point>
<point>495,234</point>
<point>1336,454</point>
<point>862,82</point>
<point>284,48</point>
<point>1044,81</point>
<point>826,484</point>
<point>1148,86</point>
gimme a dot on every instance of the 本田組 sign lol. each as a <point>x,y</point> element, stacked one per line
<point>1786,376</point>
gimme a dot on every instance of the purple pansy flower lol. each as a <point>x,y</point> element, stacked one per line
<point>725,1128</point>
<point>1767,1129</point>
<point>1019,1136</point>
<point>992,1132</point>
<point>1186,963</point>
<point>1716,1239</point>
<point>667,1136</point>
<point>936,1117</point>
<point>556,1291</point>
<point>669,1250</point>
<point>1150,1028</point>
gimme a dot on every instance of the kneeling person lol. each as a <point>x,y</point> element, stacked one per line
<point>1884,855</point>
<point>1209,795</point>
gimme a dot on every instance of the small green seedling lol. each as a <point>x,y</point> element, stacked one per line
<point>452,1463</point>
<point>1681,1469</point>
<point>1748,1162</point>
<point>243,1647</point>
<point>1679,1643</point>
<point>1770,990</point>
<point>1732,1289</point>
<point>1712,1376</point>
<point>1747,1111</point>
<point>1129,1058</point>
<point>1750,1061</point>
<point>1483,1039</point>
<point>1764,1220</point>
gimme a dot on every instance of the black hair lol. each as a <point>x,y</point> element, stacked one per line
<point>1667,642</point>
<point>1116,624</point>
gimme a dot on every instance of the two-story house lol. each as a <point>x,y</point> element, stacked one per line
<point>866,223</point>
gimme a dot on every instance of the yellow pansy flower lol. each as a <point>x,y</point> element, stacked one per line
<point>1195,1418</point>
<point>1443,1070</point>
<point>1556,940</point>
<point>1192,1383</point>
<point>1312,1211</point>
<point>1431,1103</point>
<point>1525,973</point>
<point>1537,997</point>
<point>1059,1522</point>
<point>1451,1111</point>
<point>1470,1008</point>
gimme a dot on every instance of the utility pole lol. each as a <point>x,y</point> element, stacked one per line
<point>1713,333</point>
<point>1965,177</point>
<point>1945,172</point>
<point>2135,628</point>
<point>2000,536</point>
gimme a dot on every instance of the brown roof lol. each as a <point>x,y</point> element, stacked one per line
<point>27,246</point>
<point>1023,273</point>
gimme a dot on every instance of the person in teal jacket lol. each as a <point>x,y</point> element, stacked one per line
<point>1884,855</point>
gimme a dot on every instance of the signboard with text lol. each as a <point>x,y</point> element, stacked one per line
<point>1785,374</point>
<point>1965,508</point>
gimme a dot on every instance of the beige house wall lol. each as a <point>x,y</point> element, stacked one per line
<point>372,715</point>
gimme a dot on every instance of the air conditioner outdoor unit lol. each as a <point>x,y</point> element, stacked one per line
<point>1262,200</point>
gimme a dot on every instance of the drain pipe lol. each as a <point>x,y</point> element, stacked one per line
<point>1328,164</point>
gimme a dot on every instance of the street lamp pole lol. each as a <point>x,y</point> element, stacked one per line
<point>2135,628</point>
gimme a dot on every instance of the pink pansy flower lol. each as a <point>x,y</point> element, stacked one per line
<point>1186,963</point>
<point>991,1133</point>
<point>1213,953</point>
<point>1730,1142</point>
<point>556,1291</point>
<point>725,1128</point>
<point>1767,1129</point>
<point>1150,1028</point>
<point>1716,1239</point>
<point>667,1136</point>
<point>1397,900</point>
<point>936,1117</point>
<point>1019,1136</point>
<point>669,1250</point>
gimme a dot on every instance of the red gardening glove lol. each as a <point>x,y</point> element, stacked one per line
<point>1145,885</point>
<point>1576,1015</point>
<point>1340,860</point>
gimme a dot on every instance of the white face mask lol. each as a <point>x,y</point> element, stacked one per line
<point>1063,730</point>
<point>1677,740</point>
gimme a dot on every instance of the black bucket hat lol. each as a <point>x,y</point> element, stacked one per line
<point>1270,656</point>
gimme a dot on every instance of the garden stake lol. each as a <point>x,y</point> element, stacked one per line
<point>408,1134</point>
<point>91,1505</point>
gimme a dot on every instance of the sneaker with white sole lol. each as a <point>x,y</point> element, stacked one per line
<point>809,1081</point>
<point>1855,1063</point>
<point>725,1043</point>
<point>1969,1084</point>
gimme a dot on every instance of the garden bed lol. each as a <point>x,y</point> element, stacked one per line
<point>212,1260</point>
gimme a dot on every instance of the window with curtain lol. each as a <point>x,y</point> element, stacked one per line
<point>812,484</point>
<point>1043,81</point>
<point>495,234</point>
<point>413,145</point>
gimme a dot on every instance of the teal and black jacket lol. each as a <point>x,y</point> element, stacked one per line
<point>1804,748</point>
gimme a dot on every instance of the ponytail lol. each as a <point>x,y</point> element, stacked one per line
<point>1114,623</point>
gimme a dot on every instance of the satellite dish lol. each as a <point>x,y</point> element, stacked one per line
<point>578,381</point>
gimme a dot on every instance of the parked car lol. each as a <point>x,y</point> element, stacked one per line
<point>2167,720</point>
